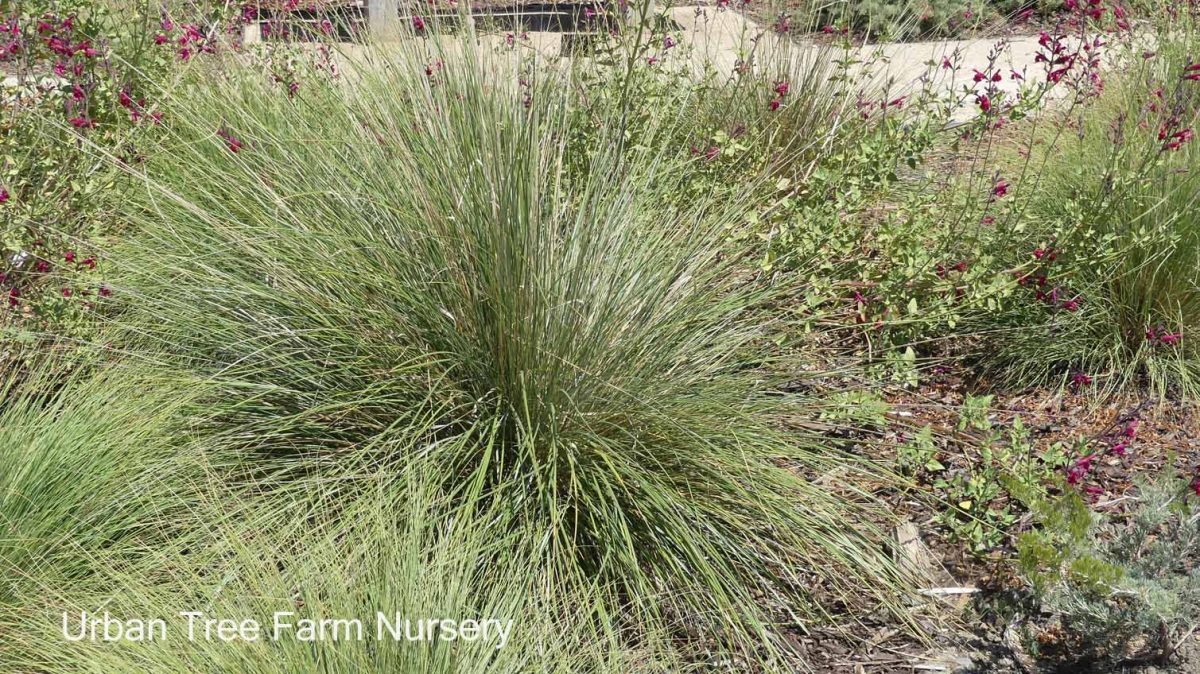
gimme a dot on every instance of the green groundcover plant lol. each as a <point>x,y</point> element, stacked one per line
<point>1110,592</point>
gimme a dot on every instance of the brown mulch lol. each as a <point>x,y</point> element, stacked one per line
<point>1167,442</point>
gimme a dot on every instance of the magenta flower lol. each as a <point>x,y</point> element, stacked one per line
<point>1076,473</point>
<point>1179,139</point>
<point>1120,449</point>
<point>1130,430</point>
<point>82,122</point>
<point>104,291</point>
<point>782,88</point>
<point>232,142</point>
<point>418,23</point>
<point>984,103</point>
<point>66,292</point>
<point>58,45</point>
<point>1080,380</point>
<point>1000,189</point>
<point>775,103</point>
<point>668,42</point>
<point>3,196</point>
<point>69,256</point>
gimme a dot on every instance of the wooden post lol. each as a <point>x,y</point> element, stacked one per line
<point>383,18</point>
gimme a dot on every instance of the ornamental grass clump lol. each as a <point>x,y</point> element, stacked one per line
<point>1111,284</point>
<point>299,586</point>
<point>393,266</point>
<point>85,459</point>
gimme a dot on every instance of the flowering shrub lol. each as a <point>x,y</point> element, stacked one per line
<point>777,120</point>
<point>88,85</point>
<point>925,262</point>
<point>80,78</point>
<point>1107,290</point>
<point>1040,257</point>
